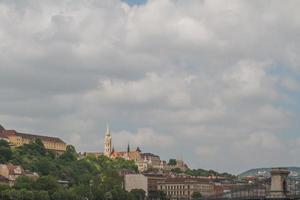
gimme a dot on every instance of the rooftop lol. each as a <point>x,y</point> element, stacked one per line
<point>186,179</point>
<point>149,154</point>
<point>7,133</point>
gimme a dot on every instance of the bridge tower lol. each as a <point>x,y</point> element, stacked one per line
<point>278,188</point>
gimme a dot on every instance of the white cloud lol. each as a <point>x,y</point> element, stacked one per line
<point>207,151</point>
<point>205,77</point>
<point>143,137</point>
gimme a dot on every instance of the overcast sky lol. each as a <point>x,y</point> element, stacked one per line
<point>216,83</point>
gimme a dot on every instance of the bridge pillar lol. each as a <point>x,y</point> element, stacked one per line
<point>278,188</point>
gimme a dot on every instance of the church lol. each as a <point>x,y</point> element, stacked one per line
<point>144,161</point>
<point>109,150</point>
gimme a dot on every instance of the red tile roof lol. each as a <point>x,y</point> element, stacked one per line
<point>132,155</point>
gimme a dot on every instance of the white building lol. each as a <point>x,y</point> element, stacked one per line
<point>136,181</point>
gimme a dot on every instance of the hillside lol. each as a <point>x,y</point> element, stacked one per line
<point>84,178</point>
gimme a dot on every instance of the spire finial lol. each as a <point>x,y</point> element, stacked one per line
<point>107,129</point>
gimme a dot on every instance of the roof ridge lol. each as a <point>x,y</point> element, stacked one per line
<point>32,136</point>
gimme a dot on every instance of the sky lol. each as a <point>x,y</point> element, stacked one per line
<point>135,2</point>
<point>216,83</point>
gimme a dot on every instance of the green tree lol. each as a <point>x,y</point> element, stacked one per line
<point>138,194</point>
<point>43,166</point>
<point>15,194</point>
<point>47,183</point>
<point>196,195</point>
<point>6,194</point>
<point>70,154</point>
<point>41,195</point>
<point>172,162</point>
<point>82,190</point>
<point>26,194</point>
<point>64,195</point>
<point>176,170</point>
<point>3,187</point>
<point>162,195</point>
<point>39,147</point>
<point>24,182</point>
<point>5,151</point>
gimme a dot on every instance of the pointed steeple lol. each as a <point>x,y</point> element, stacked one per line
<point>107,130</point>
<point>128,148</point>
<point>107,142</point>
<point>138,149</point>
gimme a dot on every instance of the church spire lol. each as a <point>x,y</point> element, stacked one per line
<point>107,130</point>
<point>128,148</point>
<point>107,142</point>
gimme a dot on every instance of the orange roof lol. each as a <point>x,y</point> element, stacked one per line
<point>116,154</point>
<point>131,154</point>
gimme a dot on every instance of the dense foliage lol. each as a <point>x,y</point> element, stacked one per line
<point>65,177</point>
<point>196,196</point>
<point>5,151</point>
<point>203,172</point>
<point>172,161</point>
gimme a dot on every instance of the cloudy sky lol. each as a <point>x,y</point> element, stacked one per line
<point>216,83</point>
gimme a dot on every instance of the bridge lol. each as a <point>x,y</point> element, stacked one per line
<point>278,187</point>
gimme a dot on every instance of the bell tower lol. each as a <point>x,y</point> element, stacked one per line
<point>107,142</point>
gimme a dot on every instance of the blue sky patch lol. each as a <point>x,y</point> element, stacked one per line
<point>135,2</point>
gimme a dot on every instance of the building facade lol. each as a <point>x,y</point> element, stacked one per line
<point>184,187</point>
<point>17,139</point>
<point>9,173</point>
<point>153,180</point>
<point>180,164</point>
<point>136,181</point>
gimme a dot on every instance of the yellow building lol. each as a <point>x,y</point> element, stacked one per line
<point>17,139</point>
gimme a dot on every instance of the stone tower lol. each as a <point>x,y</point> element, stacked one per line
<point>107,142</point>
<point>278,188</point>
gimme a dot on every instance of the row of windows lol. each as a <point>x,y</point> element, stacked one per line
<point>204,186</point>
<point>178,193</point>
<point>176,187</point>
<point>54,145</point>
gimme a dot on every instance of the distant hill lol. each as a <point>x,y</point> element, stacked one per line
<point>265,172</point>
